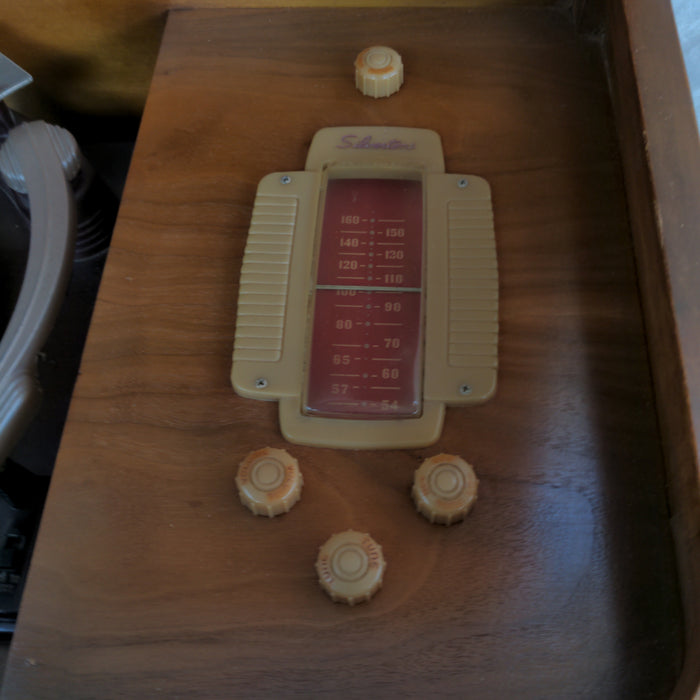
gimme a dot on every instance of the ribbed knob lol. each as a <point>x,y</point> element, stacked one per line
<point>378,71</point>
<point>350,567</point>
<point>444,489</point>
<point>269,482</point>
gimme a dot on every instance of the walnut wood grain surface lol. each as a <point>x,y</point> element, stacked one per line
<point>661,153</point>
<point>97,57</point>
<point>151,580</point>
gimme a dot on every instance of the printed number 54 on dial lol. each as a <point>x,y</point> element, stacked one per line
<point>369,292</point>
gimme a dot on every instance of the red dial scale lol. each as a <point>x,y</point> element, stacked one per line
<point>367,332</point>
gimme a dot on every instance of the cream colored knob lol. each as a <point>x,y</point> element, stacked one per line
<point>350,567</point>
<point>378,71</point>
<point>269,481</point>
<point>444,489</point>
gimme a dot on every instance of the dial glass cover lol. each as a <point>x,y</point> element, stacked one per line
<point>365,352</point>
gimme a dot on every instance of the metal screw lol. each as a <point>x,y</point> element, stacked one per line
<point>261,383</point>
<point>285,179</point>
<point>462,183</point>
<point>465,390</point>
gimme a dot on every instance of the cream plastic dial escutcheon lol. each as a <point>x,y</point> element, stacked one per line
<point>269,481</point>
<point>444,489</point>
<point>378,71</point>
<point>350,567</point>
